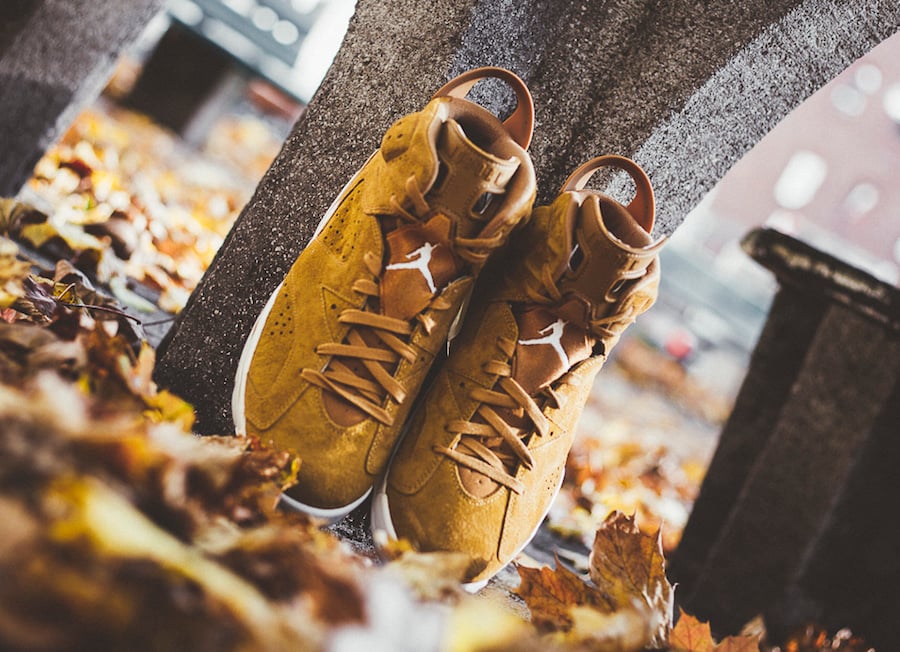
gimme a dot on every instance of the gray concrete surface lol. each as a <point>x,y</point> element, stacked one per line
<point>55,57</point>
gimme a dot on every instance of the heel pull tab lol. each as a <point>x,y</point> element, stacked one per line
<point>642,207</point>
<point>520,124</point>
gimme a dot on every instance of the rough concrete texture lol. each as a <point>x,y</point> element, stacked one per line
<point>684,87</point>
<point>782,347</point>
<point>846,377</point>
<point>55,56</point>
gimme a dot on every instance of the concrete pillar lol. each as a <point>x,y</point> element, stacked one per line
<point>55,57</point>
<point>793,519</point>
<point>685,88</point>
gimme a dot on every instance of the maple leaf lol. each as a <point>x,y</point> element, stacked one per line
<point>627,566</point>
<point>551,593</point>
<point>578,615</point>
<point>691,635</point>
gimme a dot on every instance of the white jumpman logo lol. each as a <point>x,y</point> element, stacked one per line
<point>419,260</point>
<point>554,339</point>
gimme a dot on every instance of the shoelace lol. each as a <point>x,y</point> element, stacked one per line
<point>381,359</point>
<point>495,447</point>
<point>481,448</point>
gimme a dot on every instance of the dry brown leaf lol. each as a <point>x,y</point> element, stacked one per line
<point>738,644</point>
<point>27,349</point>
<point>550,595</point>
<point>123,517</point>
<point>690,635</point>
<point>628,566</point>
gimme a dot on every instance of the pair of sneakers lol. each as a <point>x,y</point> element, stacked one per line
<point>335,366</point>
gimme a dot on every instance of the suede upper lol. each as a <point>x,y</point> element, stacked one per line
<point>365,308</point>
<point>486,446</point>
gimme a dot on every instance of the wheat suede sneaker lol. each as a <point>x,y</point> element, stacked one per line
<point>485,450</point>
<point>338,354</point>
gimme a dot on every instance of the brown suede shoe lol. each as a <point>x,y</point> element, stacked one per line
<point>486,447</point>
<point>340,350</point>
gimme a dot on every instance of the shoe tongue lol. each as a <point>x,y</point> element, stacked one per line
<point>551,341</point>
<point>420,265</point>
<point>421,260</point>
<point>467,172</point>
<point>596,241</point>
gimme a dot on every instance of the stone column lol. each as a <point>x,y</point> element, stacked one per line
<point>55,57</point>
<point>685,88</point>
<point>795,517</point>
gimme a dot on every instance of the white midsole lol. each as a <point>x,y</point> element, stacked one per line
<point>321,512</point>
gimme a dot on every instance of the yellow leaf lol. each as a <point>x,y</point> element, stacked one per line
<point>12,273</point>
<point>625,630</point>
<point>478,624</point>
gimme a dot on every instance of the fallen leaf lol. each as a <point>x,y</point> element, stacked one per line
<point>551,593</point>
<point>480,624</point>
<point>12,274</point>
<point>738,644</point>
<point>27,349</point>
<point>690,635</point>
<point>625,630</point>
<point>15,214</point>
<point>433,576</point>
<point>814,638</point>
<point>627,566</point>
<point>40,296</point>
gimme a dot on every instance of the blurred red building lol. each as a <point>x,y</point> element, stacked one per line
<point>829,173</point>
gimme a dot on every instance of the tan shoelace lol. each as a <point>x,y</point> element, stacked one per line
<point>390,343</point>
<point>493,446</point>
